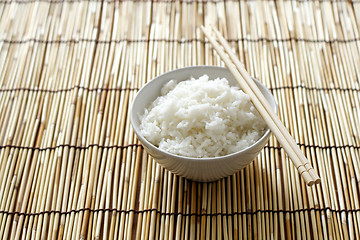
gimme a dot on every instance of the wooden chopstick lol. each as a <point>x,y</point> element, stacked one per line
<point>255,89</point>
<point>265,110</point>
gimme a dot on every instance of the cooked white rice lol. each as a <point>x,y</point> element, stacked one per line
<point>202,118</point>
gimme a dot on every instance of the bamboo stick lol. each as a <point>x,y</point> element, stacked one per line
<point>70,70</point>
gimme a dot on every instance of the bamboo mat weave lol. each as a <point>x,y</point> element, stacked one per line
<point>72,168</point>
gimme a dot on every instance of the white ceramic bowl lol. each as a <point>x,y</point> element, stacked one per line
<point>198,169</point>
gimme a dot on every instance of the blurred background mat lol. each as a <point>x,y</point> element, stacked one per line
<point>71,167</point>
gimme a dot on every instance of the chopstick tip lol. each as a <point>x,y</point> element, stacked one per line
<point>306,176</point>
<point>212,26</point>
<point>317,181</point>
<point>311,183</point>
<point>204,28</point>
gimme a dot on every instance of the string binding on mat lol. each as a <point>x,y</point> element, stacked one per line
<point>345,89</point>
<point>139,145</point>
<point>184,214</point>
<point>66,89</point>
<point>165,1</point>
<point>263,39</point>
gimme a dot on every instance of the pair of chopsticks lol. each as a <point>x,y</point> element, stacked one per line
<point>272,120</point>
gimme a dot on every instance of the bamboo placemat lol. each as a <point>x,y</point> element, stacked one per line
<point>72,168</point>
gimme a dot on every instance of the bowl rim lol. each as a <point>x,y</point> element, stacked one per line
<point>148,144</point>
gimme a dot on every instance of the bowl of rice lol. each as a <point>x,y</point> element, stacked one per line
<point>197,123</point>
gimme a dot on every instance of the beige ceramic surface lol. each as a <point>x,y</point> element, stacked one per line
<point>198,169</point>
